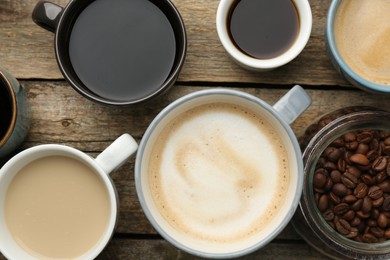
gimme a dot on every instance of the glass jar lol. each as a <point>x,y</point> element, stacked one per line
<point>308,220</point>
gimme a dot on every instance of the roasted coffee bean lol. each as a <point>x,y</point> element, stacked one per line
<point>374,145</point>
<point>379,164</point>
<point>333,154</point>
<point>375,213</point>
<point>380,177</point>
<point>377,232</point>
<point>378,202</point>
<point>387,141</point>
<point>349,215</point>
<point>341,208</point>
<point>349,180</point>
<point>354,171</point>
<point>362,148</point>
<point>361,190</point>
<point>323,203</point>
<point>382,220</point>
<point>372,223</point>
<point>386,150</point>
<point>386,204</point>
<point>341,165</point>
<point>367,179</point>
<point>372,155</point>
<point>352,146</point>
<point>340,189</point>
<point>359,159</point>
<point>343,227</point>
<point>387,233</point>
<point>319,180</point>
<point>334,198</point>
<point>364,137</point>
<point>355,222</point>
<point>350,137</point>
<point>353,232</point>
<point>385,186</point>
<point>329,184</point>
<point>357,205</point>
<point>329,215</point>
<point>367,204</point>
<point>330,166</point>
<point>339,142</point>
<point>349,199</point>
<point>369,238</point>
<point>335,176</point>
<point>375,192</point>
<point>388,169</point>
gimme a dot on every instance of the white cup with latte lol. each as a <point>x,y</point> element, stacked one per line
<point>57,202</point>
<point>219,172</point>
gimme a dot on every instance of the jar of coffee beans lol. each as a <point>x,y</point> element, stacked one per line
<point>344,210</point>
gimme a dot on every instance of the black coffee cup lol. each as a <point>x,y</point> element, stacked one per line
<point>116,52</point>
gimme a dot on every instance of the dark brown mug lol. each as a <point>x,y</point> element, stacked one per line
<point>116,52</point>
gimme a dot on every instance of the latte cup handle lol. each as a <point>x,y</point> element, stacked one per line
<point>47,15</point>
<point>293,104</point>
<point>117,153</point>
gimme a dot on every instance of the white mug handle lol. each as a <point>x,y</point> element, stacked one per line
<point>293,104</point>
<point>117,153</point>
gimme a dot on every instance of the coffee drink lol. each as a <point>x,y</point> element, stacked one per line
<point>57,207</point>
<point>361,30</point>
<point>263,29</point>
<point>122,50</point>
<point>219,173</point>
<point>6,109</point>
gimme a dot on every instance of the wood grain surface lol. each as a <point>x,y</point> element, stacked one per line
<point>60,115</point>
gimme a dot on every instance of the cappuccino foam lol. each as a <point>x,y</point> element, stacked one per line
<point>362,34</point>
<point>219,173</point>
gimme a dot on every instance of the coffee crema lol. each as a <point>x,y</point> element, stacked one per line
<point>57,207</point>
<point>362,35</point>
<point>218,173</point>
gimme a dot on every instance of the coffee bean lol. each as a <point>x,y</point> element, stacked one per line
<point>379,164</point>
<point>362,148</point>
<point>350,137</point>
<point>377,232</point>
<point>341,208</point>
<point>361,190</point>
<point>359,159</point>
<point>339,142</point>
<point>372,155</point>
<point>335,175</point>
<point>330,166</point>
<point>367,204</point>
<point>380,177</point>
<point>375,192</point>
<point>353,232</point>
<point>382,220</point>
<point>349,180</point>
<point>355,222</point>
<point>367,179</point>
<point>375,213</point>
<point>357,205</point>
<point>334,198</point>
<point>349,199</point>
<point>372,223</point>
<point>340,189</point>
<point>319,180</point>
<point>341,165</point>
<point>323,203</point>
<point>349,215</point>
<point>385,186</point>
<point>386,204</point>
<point>364,137</point>
<point>354,171</point>
<point>328,215</point>
<point>387,141</point>
<point>369,238</point>
<point>343,227</point>
<point>333,154</point>
<point>378,202</point>
<point>386,150</point>
<point>352,146</point>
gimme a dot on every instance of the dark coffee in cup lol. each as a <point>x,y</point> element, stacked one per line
<point>116,52</point>
<point>6,109</point>
<point>263,29</point>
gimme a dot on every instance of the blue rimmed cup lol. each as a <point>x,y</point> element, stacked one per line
<point>339,62</point>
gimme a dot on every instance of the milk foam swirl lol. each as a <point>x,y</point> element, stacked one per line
<point>219,173</point>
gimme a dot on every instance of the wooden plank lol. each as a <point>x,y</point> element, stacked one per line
<point>27,50</point>
<point>120,248</point>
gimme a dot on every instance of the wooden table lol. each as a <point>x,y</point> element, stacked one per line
<point>61,115</point>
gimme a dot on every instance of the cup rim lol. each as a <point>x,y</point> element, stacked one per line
<point>170,80</point>
<point>165,112</point>
<point>12,96</point>
<point>332,49</point>
<point>305,24</point>
<point>46,150</point>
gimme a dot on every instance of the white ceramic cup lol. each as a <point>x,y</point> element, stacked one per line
<point>305,25</point>
<point>280,116</point>
<point>110,159</point>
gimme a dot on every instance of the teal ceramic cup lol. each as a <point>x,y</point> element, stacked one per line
<point>339,62</point>
<point>14,113</point>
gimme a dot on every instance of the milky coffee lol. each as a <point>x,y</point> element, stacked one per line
<point>362,34</point>
<point>57,208</point>
<point>218,173</point>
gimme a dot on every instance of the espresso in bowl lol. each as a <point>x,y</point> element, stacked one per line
<point>357,35</point>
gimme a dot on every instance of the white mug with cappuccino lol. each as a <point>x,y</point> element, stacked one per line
<point>57,202</point>
<point>219,172</point>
